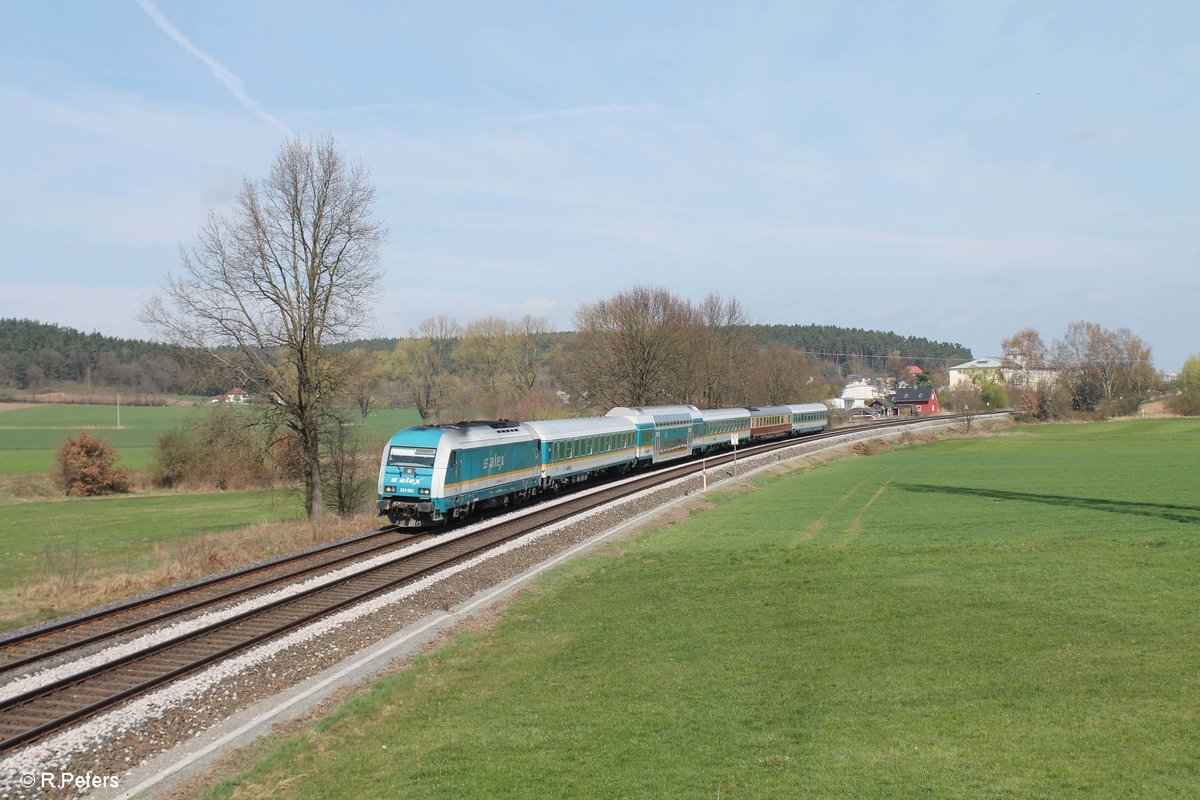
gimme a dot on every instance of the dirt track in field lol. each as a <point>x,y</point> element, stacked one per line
<point>18,406</point>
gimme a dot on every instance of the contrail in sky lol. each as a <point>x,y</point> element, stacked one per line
<point>219,70</point>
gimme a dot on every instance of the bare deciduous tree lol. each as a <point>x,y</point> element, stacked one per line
<point>1025,348</point>
<point>725,350</point>
<point>271,286</point>
<point>527,351</point>
<point>483,356</point>
<point>631,348</point>
<point>1098,365</point>
<point>424,361</point>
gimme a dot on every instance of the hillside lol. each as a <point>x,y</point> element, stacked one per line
<point>844,344</point>
<point>35,354</point>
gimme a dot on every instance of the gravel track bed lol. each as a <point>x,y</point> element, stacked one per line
<point>119,739</point>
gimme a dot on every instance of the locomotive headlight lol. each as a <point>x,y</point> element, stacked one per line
<point>423,491</point>
<point>389,488</point>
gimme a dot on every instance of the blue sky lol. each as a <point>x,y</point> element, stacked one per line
<point>958,171</point>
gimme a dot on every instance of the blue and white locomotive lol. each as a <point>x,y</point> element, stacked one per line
<point>432,473</point>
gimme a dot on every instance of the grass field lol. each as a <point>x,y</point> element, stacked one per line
<point>30,435</point>
<point>1007,617</point>
<point>123,530</point>
<point>62,556</point>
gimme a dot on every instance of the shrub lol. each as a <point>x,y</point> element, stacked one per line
<point>348,473</point>
<point>220,450</point>
<point>87,467</point>
<point>993,395</point>
<point>178,460</point>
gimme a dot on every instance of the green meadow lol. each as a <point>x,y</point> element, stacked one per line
<point>29,436</point>
<point>124,530</point>
<point>1005,617</point>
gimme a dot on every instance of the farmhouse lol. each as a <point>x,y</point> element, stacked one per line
<point>1010,369</point>
<point>236,396</point>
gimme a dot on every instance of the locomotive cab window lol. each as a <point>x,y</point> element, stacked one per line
<point>411,456</point>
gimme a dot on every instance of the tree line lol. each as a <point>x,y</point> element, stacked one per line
<point>858,350</point>
<point>34,355</point>
<point>1090,369</point>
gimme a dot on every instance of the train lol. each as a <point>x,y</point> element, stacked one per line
<point>430,474</point>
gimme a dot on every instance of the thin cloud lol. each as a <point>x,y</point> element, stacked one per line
<point>219,70</point>
<point>592,111</point>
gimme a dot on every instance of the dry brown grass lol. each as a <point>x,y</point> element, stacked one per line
<point>31,487</point>
<point>66,587</point>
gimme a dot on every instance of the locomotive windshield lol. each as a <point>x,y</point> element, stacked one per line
<point>411,456</point>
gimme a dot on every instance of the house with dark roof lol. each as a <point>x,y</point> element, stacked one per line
<point>919,401</point>
<point>882,407</point>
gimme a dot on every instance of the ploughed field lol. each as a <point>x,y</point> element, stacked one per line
<point>1012,616</point>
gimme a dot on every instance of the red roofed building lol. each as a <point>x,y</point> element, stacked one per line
<point>238,397</point>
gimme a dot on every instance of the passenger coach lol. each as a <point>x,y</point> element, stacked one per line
<point>664,433</point>
<point>574,449</point>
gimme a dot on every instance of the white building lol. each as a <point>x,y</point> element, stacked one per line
<point>857,394</point>
<point>999,370</point>
<point>982,369</point>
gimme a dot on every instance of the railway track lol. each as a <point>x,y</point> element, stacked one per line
<point>28,715</point>
<point>22,651</point>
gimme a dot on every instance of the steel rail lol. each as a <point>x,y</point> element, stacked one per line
<point>9,640</point>
<point>180,611</point>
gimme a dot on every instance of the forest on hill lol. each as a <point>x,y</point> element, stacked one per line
<point>845,345</point>
<point>35,356</point>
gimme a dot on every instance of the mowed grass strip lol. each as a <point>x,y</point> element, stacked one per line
<point>1002,617</point>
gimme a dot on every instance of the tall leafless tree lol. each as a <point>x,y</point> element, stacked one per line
<point>1025,348</point>
<point>527,351</point>
<point>425,362</point>
<point>483,356</point>
<point>726,348</point>
<point>631,348</point>
<point>271,285</point>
